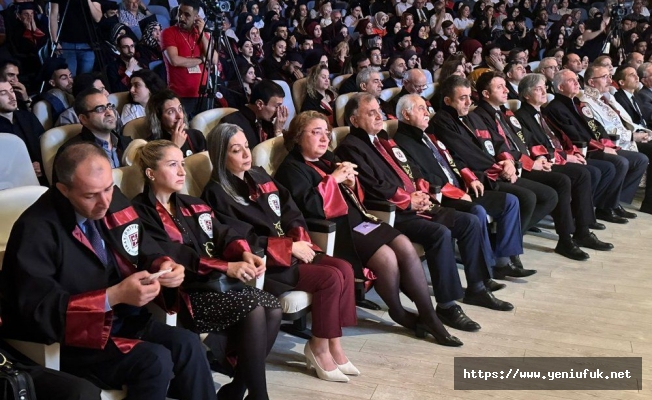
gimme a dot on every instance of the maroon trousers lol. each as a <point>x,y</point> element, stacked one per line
<point>330,280</point>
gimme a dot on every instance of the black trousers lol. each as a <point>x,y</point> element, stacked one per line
<point>437,242</point>
<point>606,191</point>
<point>646,148</point>
<point>630,167</point>
<point>536,200</point>
<point>167,357</point>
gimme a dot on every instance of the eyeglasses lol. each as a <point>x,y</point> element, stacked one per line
<point>102,109</point>
<point>603,76</point>
<point>553,67</point>
<point>320,132</point>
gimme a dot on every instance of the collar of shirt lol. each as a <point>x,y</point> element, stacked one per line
<point>80,221</point>
<point>372,138</point>
<point>105,144</point>
<point>629,94</point>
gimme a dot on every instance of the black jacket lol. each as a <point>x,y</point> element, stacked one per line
<point>623,100</point>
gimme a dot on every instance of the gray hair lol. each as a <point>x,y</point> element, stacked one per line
<point>405,103</point>
<point>558,79</point>
<point>66,163</point>
<point>541,63</point>
<point>353,105</point>
<point>365,75</point>
<point>217,143</point>
<point>642,70</point>
<point>527,84</point>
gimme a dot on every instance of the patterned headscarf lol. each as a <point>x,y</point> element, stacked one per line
<point>148,39</point>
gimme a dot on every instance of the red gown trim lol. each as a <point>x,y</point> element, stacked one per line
<point>121,217</point>
<point>526,162</point>
<point>468,176</point>
<point>539,150</point>
<point>234,250</point>
<point>482,134</point>
<point>504,156</point>
<point>87,323</point>
<point>452,192</point>
<point>279,251</point>
<point>333,200</point>
<point>168,224</point>
<point>401,198</point>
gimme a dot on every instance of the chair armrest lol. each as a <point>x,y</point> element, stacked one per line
<point>320,225</point>
<point>375,205</point>
<point>46,355</point>
<point>159,314</point>
<point>258,251</point>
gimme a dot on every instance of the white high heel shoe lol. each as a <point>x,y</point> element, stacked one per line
<point>333,376</point>
<point>348,368</point>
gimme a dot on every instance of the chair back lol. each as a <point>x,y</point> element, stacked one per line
<point>129,156</point>
<point>16,167</point>
<point>390,126</point>
<point>136,129</point>
<point>299,93</point>
<point>338,135</point>
<point>340,103</point>
<point>13,202</point>
<point>51,140</point>
<point>198,173</point>
<point>388,94</point>
<point>129,179</point>
<point>287,102</point>
<point>207,120</point>
<point>513,104</point>
<point>43,111</point>
<point>338,80</point>
<point>269,154</point>
<point>119,99</point>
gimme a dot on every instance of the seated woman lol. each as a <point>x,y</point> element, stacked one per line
<point>218,262</point>
<point>143,83</point>
<point>327,189</point>
<point>251,202</point>
<point>167,120</point>
<point>249,79</point>
<point>319,96</point>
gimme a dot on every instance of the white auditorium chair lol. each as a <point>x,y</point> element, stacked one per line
<point>130,153</point>
<point>513,104</point>
<point>43,111</point>
<point>287,102</point>
<point>136,129</point>
<point>338,80</point>
<point>207,120</point>
<point>119,99</point>
<point>340,103</point>
<point>388,94</point>
<point>51,140</point>
<point>299,93</point>
<point>16,167</point>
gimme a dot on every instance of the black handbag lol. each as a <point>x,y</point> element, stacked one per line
<point>15,384</point>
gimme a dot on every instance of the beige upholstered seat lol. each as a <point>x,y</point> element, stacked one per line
<point>43,111</point>
<point>390,127</point>
<point>388,94</point>
<point>337,136</point>
<point>513,104</point>
<point>16,167</point>
<point>269,154</point>
<point>338,80</point>
<point>340,103</point>
<point>198,172</point>
<point>51,140</point>
<point>136,129</point>
<point>119,99</point>
<point>13,202</point>
<point>299,93</point>
<point>207,120</point>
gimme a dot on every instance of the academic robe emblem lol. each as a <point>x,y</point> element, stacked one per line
<point>206,224</point>
<point>130,239</point>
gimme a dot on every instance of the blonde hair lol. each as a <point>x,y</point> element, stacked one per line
<point>298,125</point>
<point>150,154</point>
<point>313,77</point>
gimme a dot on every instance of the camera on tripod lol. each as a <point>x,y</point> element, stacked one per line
<point>618,11</point>
<point>225,5</point>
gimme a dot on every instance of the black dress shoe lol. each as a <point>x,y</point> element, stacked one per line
<point>486,299</point>
<point>493,285</point>
<point>621,212</point>
<point>534,229</point>
<point>455,318</point>
<point>450,340</point>
<point>645,208</point>
<point>510,270</point>
<point>596,226</point>
<point>592,242</point>
<point>516,260</point>
<point>610,216</point>
<point>571,251</point>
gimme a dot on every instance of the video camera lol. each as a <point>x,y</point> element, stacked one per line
<point>618,11</point>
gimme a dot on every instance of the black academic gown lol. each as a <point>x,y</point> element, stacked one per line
<point>195,141</point>
<point>246,119</point>
<point>270,220</point>
<point>54,284</point>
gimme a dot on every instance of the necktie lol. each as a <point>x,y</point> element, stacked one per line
<point>94,237</point>
<point>422,15</point>
<point>638,110</point>
<point>408,185</point>
<point>556,144</point>
<point>445,166</point>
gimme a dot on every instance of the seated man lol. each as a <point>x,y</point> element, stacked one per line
<point>460,188</point>
<point>415,83</point>
<point>370,81</point>
<point>265,115</point>
<point>83,82</point>
<point>98,120</point>
<point>359,61</point>
<point>514,72</point>
<point>548,67</point>
<point>120,68</point>
<point>644,95</point>
<point>397,68</point>
<point>60,81</point>
<point>10,72</point>
<point>574,210</point>
<point>83,282</point>
<point>276,65</point>
<point>573,122</point>
<point>572,62</point>
<point>23,124</point>
<point>386,175</point>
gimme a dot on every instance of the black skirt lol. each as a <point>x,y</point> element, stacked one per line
<point>216,311</point>
<point>367,245</point>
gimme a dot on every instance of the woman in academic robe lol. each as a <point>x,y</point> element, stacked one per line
<point>218,263</point>
<point>327,189</point>
<point>263,212</point>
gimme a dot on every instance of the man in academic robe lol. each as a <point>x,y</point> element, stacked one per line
<point>78,270</point>
<point>465,135</point>
<point>460,188</point>
<point>574,211</point>
<point>573,122</point>
<point>385,175</point>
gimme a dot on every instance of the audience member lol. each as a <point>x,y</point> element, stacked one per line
<point>143,84</point>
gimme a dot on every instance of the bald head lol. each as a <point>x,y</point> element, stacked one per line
<point>415,81</point>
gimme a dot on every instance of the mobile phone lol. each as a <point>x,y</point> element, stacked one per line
<point>150,279</point>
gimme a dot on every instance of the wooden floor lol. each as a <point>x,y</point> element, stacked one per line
<point>600,307</point>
